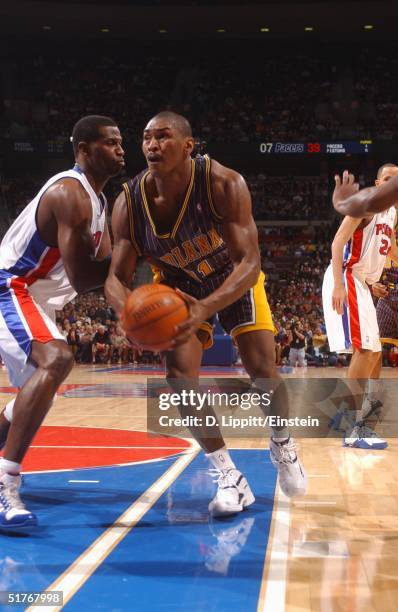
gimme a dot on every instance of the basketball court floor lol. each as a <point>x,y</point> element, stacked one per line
<point>124,522</point>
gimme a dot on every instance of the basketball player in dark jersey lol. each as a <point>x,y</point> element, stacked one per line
<point>192,219</point>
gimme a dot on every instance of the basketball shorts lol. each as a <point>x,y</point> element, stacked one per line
<point>387,316</point>
<point>22,320</point>
<point>250,313</point>
<point>357,327</point>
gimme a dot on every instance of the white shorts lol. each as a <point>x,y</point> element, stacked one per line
<point>357,327</point>
<point>22,320</point>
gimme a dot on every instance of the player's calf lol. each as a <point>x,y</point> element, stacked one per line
<point>5,422</point>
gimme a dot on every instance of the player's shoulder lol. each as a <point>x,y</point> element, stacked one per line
<point>223,175</point>
<point>67,189</point>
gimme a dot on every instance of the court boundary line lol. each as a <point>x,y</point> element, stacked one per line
<point>272,594</point>
<point>82,568</point>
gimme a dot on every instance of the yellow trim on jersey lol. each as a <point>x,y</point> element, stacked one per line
<point>173,232</point>
<point>208,187</point>
<point>157,274</point>
<point>263,316</point>
<point>208,328</point>
<point>130,216</point>
<point>393,341</point>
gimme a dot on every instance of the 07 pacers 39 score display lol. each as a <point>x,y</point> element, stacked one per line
<point>347,147</point>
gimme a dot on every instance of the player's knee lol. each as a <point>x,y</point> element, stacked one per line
<point>264,367</point>
<point>178,373</point>
<point>59,361</point>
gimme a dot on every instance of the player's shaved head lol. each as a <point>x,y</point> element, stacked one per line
<point>382,168</point>
<point>171,119</point>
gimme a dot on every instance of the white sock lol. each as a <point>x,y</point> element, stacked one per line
<point>221,459</point>
<point>373,390</point>
<point>8,410</point>
<point>280,435</point>
<point>9,467</point>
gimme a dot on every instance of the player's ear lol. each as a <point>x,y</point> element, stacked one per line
<point>189,146</point>
<point>82,147</point>
<point>377,182</point>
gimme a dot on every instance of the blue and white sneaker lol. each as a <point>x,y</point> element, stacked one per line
<point>365,438</point>
<point>13,513</point>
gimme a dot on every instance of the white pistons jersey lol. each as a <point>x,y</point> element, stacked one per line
<point>34,283</point>
<point>363,262</point>
<point>365,254</point>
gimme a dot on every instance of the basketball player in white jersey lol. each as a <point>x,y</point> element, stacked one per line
<point>58,246</point>
<point>359,252</point>
<point>386,306</point>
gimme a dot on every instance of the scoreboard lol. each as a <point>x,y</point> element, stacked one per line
<point>344,147</point>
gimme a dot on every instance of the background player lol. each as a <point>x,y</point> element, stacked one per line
<point>387,290</point>
<point>359,252</point>
<point>58,246</point>
<point>192,219</point>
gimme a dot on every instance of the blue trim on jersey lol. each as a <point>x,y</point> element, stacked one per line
<point>13,320</point>
<point>347,251</point>
<point>346,327</point>
<point>30,258</point>
<point>77,168</point>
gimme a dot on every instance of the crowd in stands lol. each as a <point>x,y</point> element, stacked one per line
<point>58,90</point>
<point>297,95</point>
<point>289,197</point>
<point>90,328</point>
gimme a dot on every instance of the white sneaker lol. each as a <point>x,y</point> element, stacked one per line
<point>292,476</point>
<point>233,493</point>
<point>13,513</point>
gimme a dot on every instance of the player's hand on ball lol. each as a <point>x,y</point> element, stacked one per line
<point>379,290</point>
<point>339,299</point>
<point>345,188</point>
<point>197,314</point>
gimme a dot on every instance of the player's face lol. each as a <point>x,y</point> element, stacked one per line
<point>386,175</point>
<point>164,147</point>
<point>106,154</point>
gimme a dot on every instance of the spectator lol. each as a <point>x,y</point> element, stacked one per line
<point>297,345</point>
<point>101,345</point>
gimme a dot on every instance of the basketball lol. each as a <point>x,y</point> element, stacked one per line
<point>151,315</point>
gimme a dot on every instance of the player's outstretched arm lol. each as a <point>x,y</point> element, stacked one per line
<point>70,207</point>
<point>124,258</point>
<point>348,200</point>
<point>343,234</point>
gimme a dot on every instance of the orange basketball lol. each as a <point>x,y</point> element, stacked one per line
<point>151,315</point>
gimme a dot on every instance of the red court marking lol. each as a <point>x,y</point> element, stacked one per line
<point>58,458</point>
<point>61,389</point>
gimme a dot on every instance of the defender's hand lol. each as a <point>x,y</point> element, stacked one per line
<point>345,188</point>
